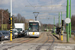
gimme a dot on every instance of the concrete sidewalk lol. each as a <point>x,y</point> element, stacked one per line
<point>71,40</point>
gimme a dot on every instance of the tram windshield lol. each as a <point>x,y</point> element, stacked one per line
<point>33,26</point>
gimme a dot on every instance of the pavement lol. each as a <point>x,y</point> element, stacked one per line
<point>33,46</point>
<point>71,40</point>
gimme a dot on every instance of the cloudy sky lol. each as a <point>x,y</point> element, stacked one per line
<point>47,9</point>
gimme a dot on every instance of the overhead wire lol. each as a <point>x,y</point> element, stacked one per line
<point>31,4</point>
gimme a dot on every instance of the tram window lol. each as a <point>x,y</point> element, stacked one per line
<point>33,27</point>
<point>33,24</point>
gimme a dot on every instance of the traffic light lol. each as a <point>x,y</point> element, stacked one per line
<point>62,22</point>
<point>9,21</point>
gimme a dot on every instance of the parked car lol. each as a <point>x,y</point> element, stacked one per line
<point>19,34</point>
<point>15,32</point>
<point>26,32</point>
<point>5,34</point>
<point>13,36</point>
<point>1,36</point>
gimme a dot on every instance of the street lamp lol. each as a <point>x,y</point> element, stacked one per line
<point>11,20</point>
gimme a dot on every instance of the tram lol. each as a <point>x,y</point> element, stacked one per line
<point>34,29</point>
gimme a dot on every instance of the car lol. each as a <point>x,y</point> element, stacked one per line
<point>25,32</point>
<point>45,29</point>
<point>6,34</point>
<point>15,32</point>
<point>13,36</point>
<point>20,32</point>
<point>1,36</point>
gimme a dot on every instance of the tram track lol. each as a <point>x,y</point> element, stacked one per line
<point>21,42</point>
<point>37,41</point>
<point>27,41</point>
<point>51,43</point>
<point>40,46</point>
<point>42,39</point>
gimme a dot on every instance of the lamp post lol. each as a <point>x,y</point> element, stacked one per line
<point>11,20</point>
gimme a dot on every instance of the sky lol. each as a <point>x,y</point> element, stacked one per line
<point>48,9</point>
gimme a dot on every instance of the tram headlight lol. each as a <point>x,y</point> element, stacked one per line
<point>29,33</point>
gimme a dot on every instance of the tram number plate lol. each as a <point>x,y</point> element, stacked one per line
<point>33,33</point>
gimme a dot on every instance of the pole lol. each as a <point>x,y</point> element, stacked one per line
<point>59,25</point>
<point>70,18</point>
<point>67,25</point>
<point>35,18</point>
<point>54,25</point>
<point>47,26</point>
<point>66,17</point>
<point>59,19</point>
<point>61,28</point>
<point>2,20</point>
<point>11,21</point>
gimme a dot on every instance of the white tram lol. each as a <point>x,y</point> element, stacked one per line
<point>33,30</point>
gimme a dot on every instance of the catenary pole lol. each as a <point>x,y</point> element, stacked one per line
<point>59,19</point>
<point>67,25</point>
<point>70,18</point>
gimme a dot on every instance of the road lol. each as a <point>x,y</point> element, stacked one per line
<point>46,41</point>
<point>43,38</point>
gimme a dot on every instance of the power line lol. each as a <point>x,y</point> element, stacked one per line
<point>31,5</point>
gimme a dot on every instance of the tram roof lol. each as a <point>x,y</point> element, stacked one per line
<point>33,21</point>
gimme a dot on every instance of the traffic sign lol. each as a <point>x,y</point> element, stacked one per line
<point>67,20</point>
